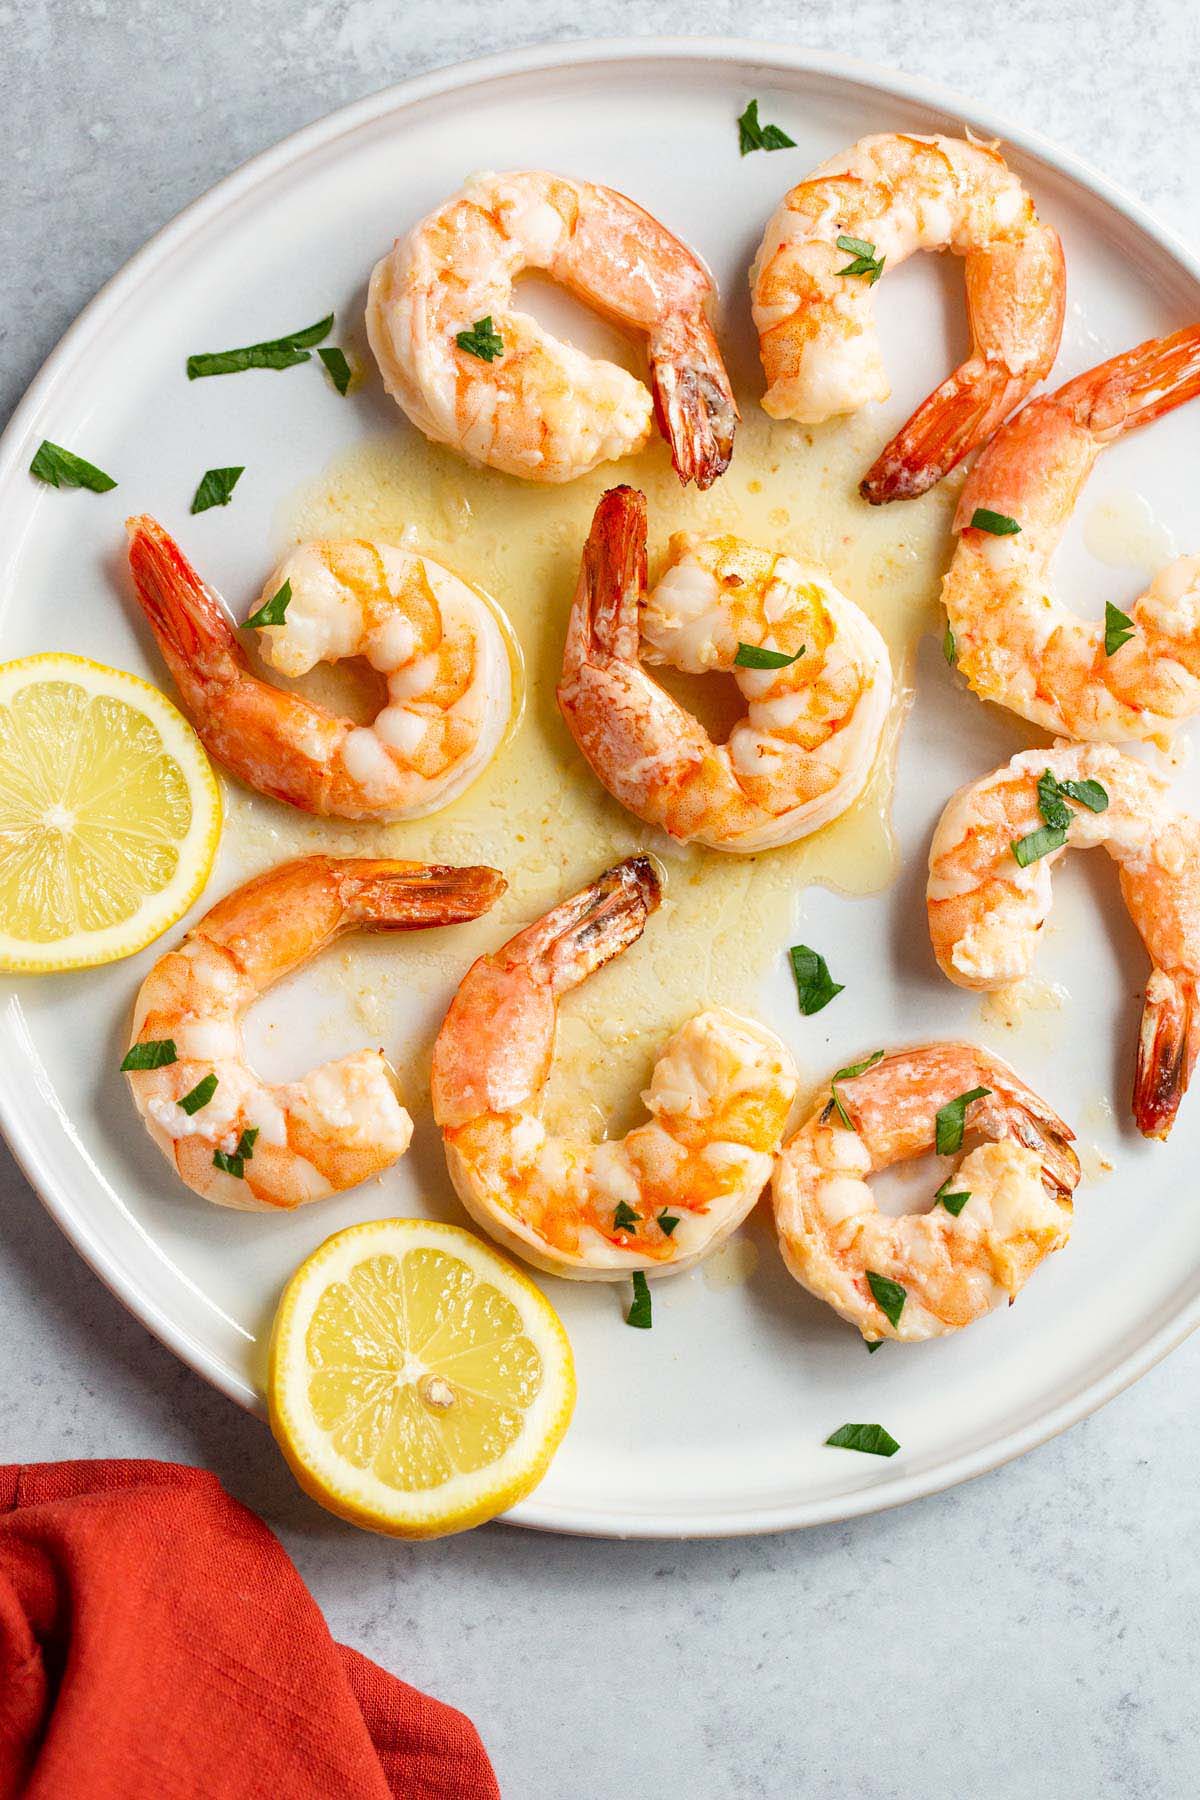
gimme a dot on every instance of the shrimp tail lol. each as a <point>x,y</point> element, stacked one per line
<point>694,403</point>
<point>612,583</point>
<point>1039,1128</point>
<point>1166,1052</point>
<point>389,895</point>
<point>1137,387</point>
<point>962,413</point>
<point>581,934</point>
<point>195,637</point>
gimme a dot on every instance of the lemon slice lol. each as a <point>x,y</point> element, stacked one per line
<point>109,814</point>
<point>419,1384</point>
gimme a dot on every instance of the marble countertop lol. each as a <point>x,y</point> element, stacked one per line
<point>1032,1631</point>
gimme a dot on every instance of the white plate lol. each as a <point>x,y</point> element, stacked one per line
<point>714,1422</point>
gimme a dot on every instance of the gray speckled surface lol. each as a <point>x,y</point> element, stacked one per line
<point>1033,1631</point>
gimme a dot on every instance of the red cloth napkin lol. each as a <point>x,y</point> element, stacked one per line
<point>156,1643</point>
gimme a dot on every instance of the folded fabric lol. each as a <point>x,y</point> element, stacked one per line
<point>156,1642</point>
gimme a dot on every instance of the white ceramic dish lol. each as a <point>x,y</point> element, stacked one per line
<point>713,1423</point>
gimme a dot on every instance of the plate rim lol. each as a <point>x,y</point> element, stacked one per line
<point>775,58</point>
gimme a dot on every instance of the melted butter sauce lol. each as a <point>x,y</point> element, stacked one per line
<point>537,812</point>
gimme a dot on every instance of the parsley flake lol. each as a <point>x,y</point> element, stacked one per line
<point>814,986</point>
<point>275,353</point>
<point>62,468</point>
<point>950,646</point>
<point>952,1118</point>
<point>200,1095</point>
<point>1038,844</point>
<point>216,488</point>
<point>272,611</point>
<point>337,367</point>
<point>754,136</point>
<point>889,1296</point>
<point>1118,628</point>
<point>667,1222</point>
<point>235,1164</point>
<point>624,1218</point>
<point>151,1053</point>
<point>481,340</point>
<point>835,1103</point>
<point>865,260</point>
<point>998,524</point>
<point>755,656</point>
<point>639,1313</point>
<point>872,1440</point>
<point>953,1203</point>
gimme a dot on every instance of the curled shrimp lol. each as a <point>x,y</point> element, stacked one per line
<point>661,1197</point>
<point>891,195</point>
<point>807,744</point>
<point>986,909</point>
<point>437,642</point>
<point>522,400</point>
<point>1008,1204</point>
<point>1015,642</point>
<point>233,1138</point>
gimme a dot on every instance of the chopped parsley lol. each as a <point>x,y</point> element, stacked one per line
<point>337,366</point>
<point>62,468</point>
<point>481,340</point>
<point>667,1222</point>
<point>953,1203</point>
<point>151,1053</point>
<point>998,524</point>
<point>889,1296</point>
<point>754,136</point>
<point>1118,628</point>
<point>754,656</point>
<point>865,262</point>
<point>814,986</point>
<point>276,353</point>
<point>216,488</point>
<point>272,611</point>
<point>1052,797</point>
<point>835,1101</point>
<point>639,1313</point>
<point>200,1095</point>
<point>624,1218</point>
<point>952,1118</point>
<point>235,1164</point>
<point>872,1440</point>
<point>950,646</point>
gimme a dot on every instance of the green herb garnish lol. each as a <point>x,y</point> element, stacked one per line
<point>873,1345</point>
<point>62,468</point>
<point>835,1103</point>
<point>276,353</point>
<point>872,1440</point>
<point>216,488</point>
<point>1051,804</point>
<point>151,1053</point>
<point>814,987</point>
<point>950,646</point>
<point>1088,793</point>
<point>200,1095</point>
<point>953,1203</point>
<point>1038,843</point>
<point>999,524</point>
<point>272,611</point>
<point>339,369</point>
<point>753,136</point>
<point>624,1218</point>
<point>1118,628</point>
<point>639,1313</point>
<point>667,1223</point>
<point>889,1296</point>
<point>481,340</point>
<point>952,1118</point>
<point>235,1164</point>
<point>754,656</point>
<point>865,260</point>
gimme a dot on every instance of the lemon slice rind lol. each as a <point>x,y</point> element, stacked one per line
<point>358,1494</point>
<point>196,848</point>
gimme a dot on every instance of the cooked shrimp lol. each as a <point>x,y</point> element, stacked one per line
<point>1014,641</point>
<point>232,1137</point>
<point>986,909</point>
<point>522,400</point>
<point>807,744</point>
<point>958,1260</point>
<point>657,1199</point>
<point>892,195</point>
<point>437,642</point>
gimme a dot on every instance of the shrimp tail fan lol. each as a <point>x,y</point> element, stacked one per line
<point>1166,1054</point>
